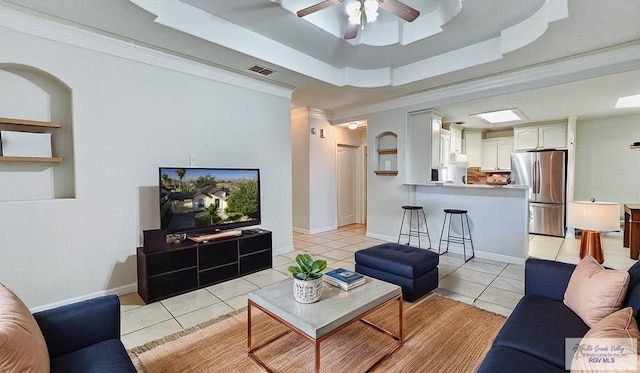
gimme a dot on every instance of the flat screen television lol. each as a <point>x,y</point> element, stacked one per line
<point>208,199</point>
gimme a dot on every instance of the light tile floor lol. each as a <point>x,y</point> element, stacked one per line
<point>487,284</point>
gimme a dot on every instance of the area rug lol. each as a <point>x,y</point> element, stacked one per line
<point>440,335</point>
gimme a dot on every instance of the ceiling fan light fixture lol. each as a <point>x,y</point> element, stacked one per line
<point>371,10</point>
<point>354,12</point>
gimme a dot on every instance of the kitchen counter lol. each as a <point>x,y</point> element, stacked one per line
<point>452,185</point>
<point>498,216</point>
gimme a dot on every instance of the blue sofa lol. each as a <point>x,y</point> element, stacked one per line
<point>533,337</point>
<point>85,337</point>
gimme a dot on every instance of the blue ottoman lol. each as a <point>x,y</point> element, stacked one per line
<point>414,269</point>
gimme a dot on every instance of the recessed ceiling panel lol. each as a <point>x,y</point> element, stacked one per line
<point>282,38</point>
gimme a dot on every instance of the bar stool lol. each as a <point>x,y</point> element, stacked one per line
<point>448,213</point>
<point>415,210</point>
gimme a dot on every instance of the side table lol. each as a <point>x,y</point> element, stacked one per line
<point>632,229</point>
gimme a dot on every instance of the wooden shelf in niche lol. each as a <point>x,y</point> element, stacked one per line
<point>386,172</point>
<point>30,123</point>
<point>26,122</point>
<point>31,159</point>
<point>388,151</point>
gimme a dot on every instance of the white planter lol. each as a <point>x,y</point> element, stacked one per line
<point>307,291</point>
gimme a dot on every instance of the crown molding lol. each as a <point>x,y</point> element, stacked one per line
<point>318,114</point>
<point>299,113</point>
<point>613,60</point>
<point>77,37</point>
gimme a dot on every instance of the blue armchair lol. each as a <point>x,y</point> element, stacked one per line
<point>85,337</point>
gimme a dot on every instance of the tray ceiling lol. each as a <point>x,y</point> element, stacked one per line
<point>473,49</point>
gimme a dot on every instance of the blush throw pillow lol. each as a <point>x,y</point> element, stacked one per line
<point>22,346</point>
<point>620,325</point>
<point>593,292</point>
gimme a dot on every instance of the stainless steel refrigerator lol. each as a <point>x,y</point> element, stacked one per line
<point>545,174</point>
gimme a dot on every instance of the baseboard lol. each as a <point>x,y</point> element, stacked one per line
<point>500,258</point>
<point>121,290</point>
<point>490,256</point>
<point>478,254</point>
<point>283,250</point>
<point>315,231</point>
<point>382,237</point>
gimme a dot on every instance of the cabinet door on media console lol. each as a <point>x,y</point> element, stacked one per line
<point>161,275</point>
<point>218,261</point>
<point>255,253</point>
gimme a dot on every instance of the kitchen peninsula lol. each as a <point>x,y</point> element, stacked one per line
<point>498,216</point>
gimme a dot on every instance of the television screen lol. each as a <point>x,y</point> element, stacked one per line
<point>208,198</point>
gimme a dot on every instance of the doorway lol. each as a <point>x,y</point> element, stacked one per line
<point>350,181</point>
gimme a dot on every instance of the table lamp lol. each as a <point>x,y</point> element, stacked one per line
<point>593,217</point>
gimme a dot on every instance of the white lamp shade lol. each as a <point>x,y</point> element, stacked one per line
<point>594,216</point>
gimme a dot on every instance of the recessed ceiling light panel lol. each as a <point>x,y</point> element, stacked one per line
<point>501,116</point>
<point>628,101</point>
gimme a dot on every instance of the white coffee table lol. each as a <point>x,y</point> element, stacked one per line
<point>318,321</point>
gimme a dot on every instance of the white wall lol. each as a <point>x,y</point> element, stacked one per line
<point>320,197</point>
<point>606,169</point>
<point>386,194</point>
<point>300,136</point>
<point>129,119</point>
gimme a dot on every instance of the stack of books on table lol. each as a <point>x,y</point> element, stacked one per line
<point>344,279</point>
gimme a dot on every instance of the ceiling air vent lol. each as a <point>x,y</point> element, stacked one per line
<point>261,70</point>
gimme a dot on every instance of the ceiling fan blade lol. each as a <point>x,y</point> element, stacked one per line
<point>351,31</point>
<point>317,7</point>
<point>399,9</point>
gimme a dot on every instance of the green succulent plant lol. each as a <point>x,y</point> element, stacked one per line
<point>307,268</point>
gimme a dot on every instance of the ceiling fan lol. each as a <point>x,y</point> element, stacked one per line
<point>358,15</point>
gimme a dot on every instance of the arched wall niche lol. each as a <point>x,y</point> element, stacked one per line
<point>28,93</point>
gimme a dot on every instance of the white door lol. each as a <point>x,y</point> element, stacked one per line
<point>346,185</point>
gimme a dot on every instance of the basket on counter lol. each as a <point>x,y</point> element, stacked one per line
<point>497,182</point>
<point>498,179</point>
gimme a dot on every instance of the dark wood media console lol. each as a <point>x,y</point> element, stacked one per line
<point>166,270</point>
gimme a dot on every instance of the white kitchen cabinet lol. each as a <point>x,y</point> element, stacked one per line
<point>547,136</point>
<point>552,136</point>
<point>456,138</point>
<point>525,138</point>
<point>423,145</point>
<point>496,154</point>
<point>436,140</point>
<point>445,147</point>
<point>505,148</point>
<point>473,147</point>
